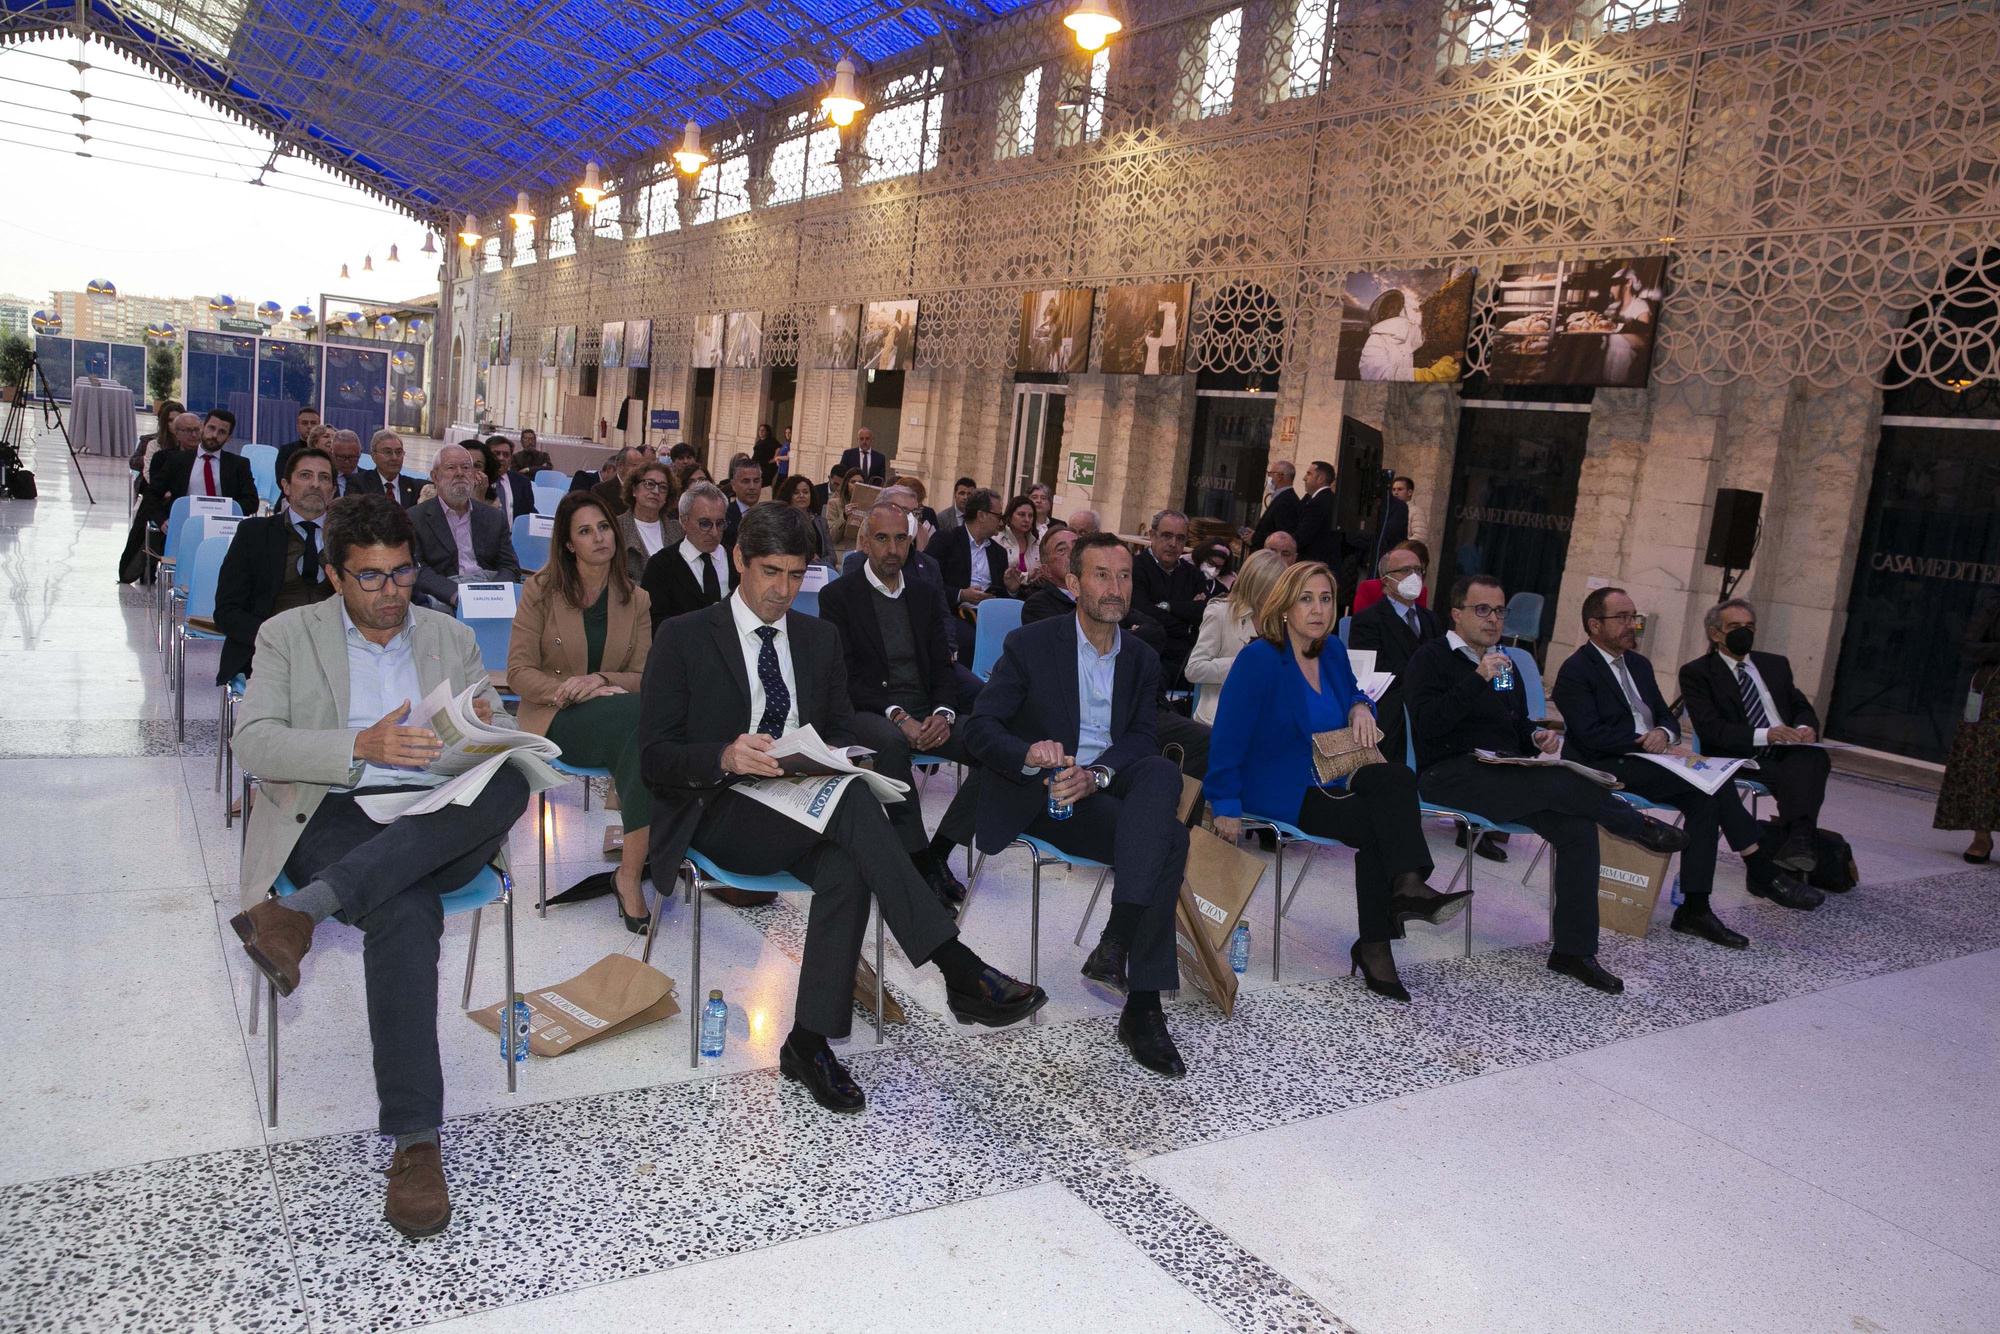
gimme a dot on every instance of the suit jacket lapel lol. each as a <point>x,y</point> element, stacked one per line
<point>1124,679</point>
<point>426,644</point>
<point>329,643</point>
<point>1068,715</point>
<point>803,664</point>
<point>723,625</point>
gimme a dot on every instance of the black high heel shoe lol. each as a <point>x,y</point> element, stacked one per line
<point>1411,898</point>
<point>636,925</point>
<point>1390,986</point>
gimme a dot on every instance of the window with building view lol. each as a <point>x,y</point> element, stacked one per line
<point>787,165</point>
<point>1080,104</point>
<point>902,138</point>
<point>1632,15</point>
<point>562,233</point>
<point>1487,30</point>
<point>1020,104</point>
<point>723,188</point>
<point>1301,40</point>
<point>606,221</point>
<point>659,203</point>
<point>1208,68</point>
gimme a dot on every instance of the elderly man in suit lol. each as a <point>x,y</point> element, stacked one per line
<point>457,540</point>
<point>387,449</point>
<point>1281,503</point>
<point>1393,630</point>
<point>274,562</point>
<point>513,492</point>
<point>873,463</point>
<point>1068,718</point>
<point>720,691</point>
<point>1169,592</point>
<point>207,470</point>
<point>1613,714</point>
<point>1742,702</point>
<point>326,720</point>
<point>349,477</point>
<point>746,488</point>
<point>695,572</point>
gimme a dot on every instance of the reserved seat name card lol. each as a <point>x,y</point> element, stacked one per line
<point>479,602</point>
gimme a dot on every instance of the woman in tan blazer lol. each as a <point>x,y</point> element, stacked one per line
<point>576,658</point>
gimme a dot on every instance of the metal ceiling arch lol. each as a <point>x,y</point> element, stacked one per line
<point>442,106</point>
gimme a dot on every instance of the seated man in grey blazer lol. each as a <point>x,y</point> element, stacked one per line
<point>458,539</point>
<point>326,720</point>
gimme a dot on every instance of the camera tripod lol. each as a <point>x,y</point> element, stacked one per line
<point>13,433</point>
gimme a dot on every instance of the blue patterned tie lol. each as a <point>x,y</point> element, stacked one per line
<point>1753,707</point>
<point>777,699</point>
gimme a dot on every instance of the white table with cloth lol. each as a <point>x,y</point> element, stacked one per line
<point>102,418</point>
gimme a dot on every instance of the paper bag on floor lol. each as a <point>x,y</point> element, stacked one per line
<point>1220,880</point>
<point>1628,884</point>
<point>613,995</point>
<point>1201,967</point>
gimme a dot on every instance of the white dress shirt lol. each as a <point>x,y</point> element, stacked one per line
<point>380,677</point>
<point>198,474</point>
<point>694,557</point>
<point>982,573</point>
<point>747,625</point>
<point>1760,736</point>
<point>1621,674</point>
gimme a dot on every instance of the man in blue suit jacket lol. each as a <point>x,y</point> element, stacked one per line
<point>1067,716</point>
<point>1613,713</point>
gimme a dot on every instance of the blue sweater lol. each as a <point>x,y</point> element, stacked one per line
<point>1260,753</point>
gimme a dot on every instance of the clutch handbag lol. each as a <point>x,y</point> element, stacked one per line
<point>1336,754</point>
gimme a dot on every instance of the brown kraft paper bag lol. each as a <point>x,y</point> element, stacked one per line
<point>1218,885</point>
<point>1629,879</point>
<point>613,995</point>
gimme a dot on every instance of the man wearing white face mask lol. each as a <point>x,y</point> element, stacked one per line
<point>1393,629</point>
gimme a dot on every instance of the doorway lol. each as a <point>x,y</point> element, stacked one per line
<point>700,407</point>
<point>1232,448</point>
<point>882,409</point>
<point>1035,447</point>
<point>783,400</point>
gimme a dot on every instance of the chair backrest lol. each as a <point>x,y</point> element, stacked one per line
<point>1409,742</point>
<point>1346,622</point>
<point>493,634</point>
<point>531,551</point>
<point>263,461</point>
<point>547,498</point>
<point>806,604</point>
<point>184,538</point>
<point>1531,680</point>
<point>367,462</point>
<point>554,477</point>
<point>207,565</point>
<point>1524,617</point>
<point>998,618</point>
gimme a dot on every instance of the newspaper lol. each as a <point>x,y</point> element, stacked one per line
<point>473,752</point>
<point>816,775</point>
<point>1597,776</point>
<point>1708,774</point>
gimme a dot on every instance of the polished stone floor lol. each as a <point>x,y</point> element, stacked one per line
<point>1797,1137</point>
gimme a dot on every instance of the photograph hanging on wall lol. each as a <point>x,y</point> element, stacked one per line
<point>743,339</point>
<point>1055,330</point>
<point>1579,321</point>
<point>706,350</point>
<point>638,344</point>
<point>836,338</point>
<point>548,350</point>
<point>1404,324</point>
<point>566,346</point>
<point>1145,329</point>
<point>507,339</point>
<point>611,345</point>
<point>491,349</point>
<point>888,335</point>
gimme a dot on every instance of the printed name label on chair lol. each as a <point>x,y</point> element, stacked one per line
<point>486,601</point>
<point>206,505</point>
<point>542,525</point>
<point>816,576</point>
<point>219,525</point>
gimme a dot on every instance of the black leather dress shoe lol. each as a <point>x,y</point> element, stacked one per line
<point>1704,923</point>
<point>1796,855</point>
<point>996,1001</point>
<point>937,874</point>
<point>1106,965</point>
<point>1786,891</point>
<point>824,1077</point>
<point>1434,908</point>
<point>1659,836</point>
<point>1585,969</point>
<point>1144,1033</point>
<point>1487,848</point>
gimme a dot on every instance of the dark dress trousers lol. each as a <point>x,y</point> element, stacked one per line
<point>673,588</point>
<point>1385,629</point>
<point>247,588</point>
<point>1453,712</point>
<point>1598,731</point>
<point>173,477</point>
<point>1281,515</point>
<point>1796,775</point>
<point>1132,826</point>
<point>695,702</point>
<point>437,552</point>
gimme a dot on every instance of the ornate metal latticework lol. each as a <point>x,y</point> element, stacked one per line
<point>1818,169</point>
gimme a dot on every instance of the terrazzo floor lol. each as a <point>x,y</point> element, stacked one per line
<point>1795,1137</point>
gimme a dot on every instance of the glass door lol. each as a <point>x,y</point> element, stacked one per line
<point>1232,447</point>
<point>1036,444</point>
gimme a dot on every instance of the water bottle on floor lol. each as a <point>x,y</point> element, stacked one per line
<point>714,1025</point>
<point>1239,948</point>
<point>514,1030</point>
<point>1058,810</point>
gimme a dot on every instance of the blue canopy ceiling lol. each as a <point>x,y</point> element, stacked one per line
<point>445,105</point>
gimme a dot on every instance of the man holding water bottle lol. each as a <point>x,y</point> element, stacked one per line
<point>1065,730</point>
<point>1464,696</point>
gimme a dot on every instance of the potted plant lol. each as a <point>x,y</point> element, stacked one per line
<point>163,372</point>
<point>17,361</point>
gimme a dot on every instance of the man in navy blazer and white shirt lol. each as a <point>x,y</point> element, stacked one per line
<point>1068,717</point>
<point>873,464</point>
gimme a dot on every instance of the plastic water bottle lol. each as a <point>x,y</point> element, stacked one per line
<point>1239,948</point>
<point>1504,678</point>
<point>1678,897</point>
<point>1058,810</point>
<point>514,1031</point>
<point>714,1025</point>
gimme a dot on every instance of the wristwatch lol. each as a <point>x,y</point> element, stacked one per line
<point>1102,773</point>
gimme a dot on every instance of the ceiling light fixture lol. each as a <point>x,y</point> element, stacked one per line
<point>591,192</point>
<point>522,214</point>
<point>468,235</point>
<point>842,104</point>
<point>689,157</point>
<point>1093,24</point>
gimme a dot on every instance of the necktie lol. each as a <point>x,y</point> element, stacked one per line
<point>711,587</point>
<point>1753,707</point>
<point>1632,695</point>
<point>309,566</point>
<point>1416,622</point>
<point>208,472</point>
<point>777,699</point>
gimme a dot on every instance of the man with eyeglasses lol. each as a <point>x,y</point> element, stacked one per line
<point>1456,710</point>
<point>458,541</point>
<point>274,561</point>
<point>1393,630</point>
<point>1613,713</point>
<point>327,720</point>
<point>696,572</point>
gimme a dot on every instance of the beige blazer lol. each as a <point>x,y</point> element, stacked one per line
<point>548,647</point>
<point>1221,638</point>
<point>291,728</point>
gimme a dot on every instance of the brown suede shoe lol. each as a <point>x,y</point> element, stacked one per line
<point>743,898</point>
<point>419,1205</point>
<point>276,938</point>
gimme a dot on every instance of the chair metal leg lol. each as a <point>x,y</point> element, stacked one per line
<point>878,976</point>
<point>586,796</point>
<point>256,1000</point>
<point>221,741</point>
<point>471,962</point>
<point>1467,869</point>
<point>660,901</point>
<point>180,684</point>
<point>243,839</point>
<point>1035,925</point>
<point>1090,909</point>
<point>1540,853</point>
<point>228,750</point>
<point>695,999</point>
<point>507,919</point>
<point>542,847</point>
<point>271,1055</point>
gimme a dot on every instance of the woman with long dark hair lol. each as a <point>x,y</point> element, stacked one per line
<point>576,659</point>
<point>796,490</point>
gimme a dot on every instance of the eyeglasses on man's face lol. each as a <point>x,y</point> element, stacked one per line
<point>706,525</point>
<point>1485,611</point>
<point>371,580</point>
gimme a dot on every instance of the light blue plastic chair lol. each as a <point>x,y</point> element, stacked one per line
<point>553,478</point>
<point>532,552</point>
<point>494,634</point>
<point>1524,618</point>
<point>204,568</point>
<point>488,887</point>
<point>367,463</point>
<point>998,618</point>
<point>1346,623</point>
<point>548,497</point>
<point>1041,854</point>
<point>1531,680</point>
<point>806,604</point>
<point>1470,824</point>
<point>703,875</point>
<point>263,461</point>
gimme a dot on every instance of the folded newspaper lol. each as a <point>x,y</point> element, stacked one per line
<point>1705,772</point>
<point>473,752</point>
<point>1597,776</point>
<point>816,775</point>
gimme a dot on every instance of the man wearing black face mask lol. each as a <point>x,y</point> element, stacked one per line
<point>1745,703</point>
